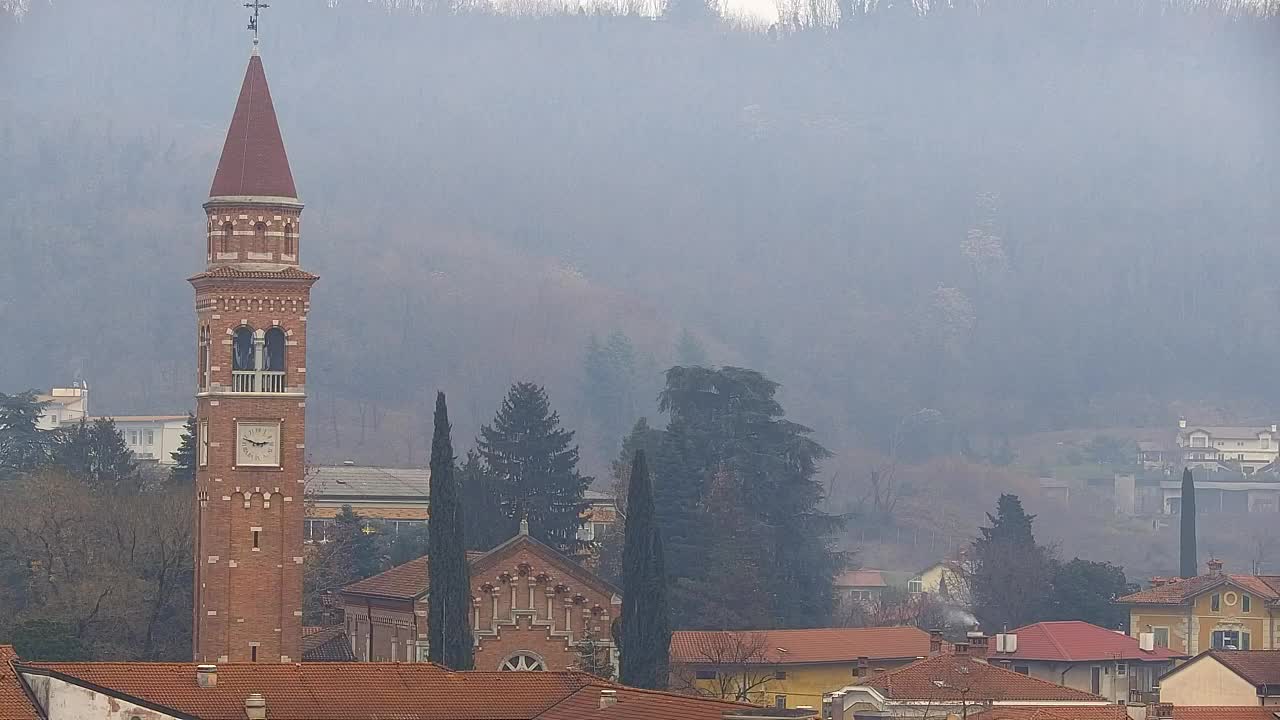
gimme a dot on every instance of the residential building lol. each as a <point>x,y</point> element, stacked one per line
<point>532,608</point>
<point>946,579</point>
<point>396,499</point>
<point>1087,657</point>
<point>1245,449</point>
<point>331,691</point>
<point>859,586</point>
<point>1041,712</point>
<point>1212,611</point>
<point>64,406</point>
<point>1225,678</point>
<point>1226,492</point>
<point>1192,712</point>
<point>151,437</point>
<point>962,683</point>
<point>789,668</point>
<point>1158,455</point>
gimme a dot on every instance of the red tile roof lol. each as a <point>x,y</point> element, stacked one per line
<point>960,677</point>
<point>15,704</point>
<point>227,271</point>
<point>860,579</point>
<point>253,160</point>
<point>379,691</point>
<point>1042,712</point>
<point>404,582</point>
<point>326,644</point>
<point>1258,667</point>
<point>781,647</point>
<point>1225,712</point>
<point>1183,591</point>
<point>1078,641</point>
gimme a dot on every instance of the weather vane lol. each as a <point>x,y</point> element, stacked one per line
<point>256,6</point>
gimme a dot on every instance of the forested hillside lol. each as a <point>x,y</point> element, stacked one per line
<point>1020,215</point>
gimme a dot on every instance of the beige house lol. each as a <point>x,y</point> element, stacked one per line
<point>1246,449</point>
<point>63,406</point>
<point>1225,678</point>
<point>1212,611</point>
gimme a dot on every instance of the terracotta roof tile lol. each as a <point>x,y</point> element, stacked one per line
<point>405,582</point>
<point>1225,712</point>
<point>956,677</point>
<point>1078,641</point>
<point>380,691</point>
<point>1041,712</point>
<point>15,704</point>
<point>1181,591</point>
<point>860,578</point>
<point>253,161</point>
<point>326,644</point>
<point>819,645</point>
<point>1259,667</point>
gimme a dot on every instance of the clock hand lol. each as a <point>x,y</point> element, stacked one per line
<point>258,444</point>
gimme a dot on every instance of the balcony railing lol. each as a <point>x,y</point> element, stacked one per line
<point>267,381</point>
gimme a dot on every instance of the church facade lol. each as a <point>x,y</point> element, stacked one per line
<point>251,300</point>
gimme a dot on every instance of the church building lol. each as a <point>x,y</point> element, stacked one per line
<point>252,301</point>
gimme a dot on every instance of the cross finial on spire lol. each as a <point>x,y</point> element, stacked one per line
<point>256,6</point>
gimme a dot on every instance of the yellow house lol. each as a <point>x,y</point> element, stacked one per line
<point>789,668</point>
<point>1225,678</point>
<point>1211,611</point>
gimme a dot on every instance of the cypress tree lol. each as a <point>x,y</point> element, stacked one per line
<point>448,582</point>
<point>1189,566</point>
<point>646,630</point>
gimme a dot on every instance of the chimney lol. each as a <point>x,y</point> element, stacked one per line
<point>206,675</point>
<point>608,698</point>
<point>961,648</point>
<point>860,670</point>
<point>1147,641</point>
<point>255,707</point>
<point>1161,711</point>
<point>1215,566</point>
<point>978,645</point>
<point>1007,642</point>
<point>935,642</point>
<point>1273,427</point>
<point>1182,423</point>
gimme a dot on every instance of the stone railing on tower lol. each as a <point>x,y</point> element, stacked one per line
<point>266,381</point>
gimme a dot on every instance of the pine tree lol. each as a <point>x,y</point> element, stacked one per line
<point>23,445</point>
<point>184,458</point>
<point>1189,567</point>
<point>356,544</point>
<point>1012,577</point>
<point>536,467</point>
<point>487,525</point>
<point>449,602</point>
<point>646,628</point>
<point>96,453</point>
<point>593,655</point>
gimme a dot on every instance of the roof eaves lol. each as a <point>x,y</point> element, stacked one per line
<point>81,682</point>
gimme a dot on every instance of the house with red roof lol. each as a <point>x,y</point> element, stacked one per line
<point>789,668</point>
<point>335,691</point>
<point>1225,678</point>
<point>1086,657</point>
<point>962,684</point>
<point>1217,610</point>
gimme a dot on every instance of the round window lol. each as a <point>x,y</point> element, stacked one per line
<point>523,660</point>
<point>1230,598</point>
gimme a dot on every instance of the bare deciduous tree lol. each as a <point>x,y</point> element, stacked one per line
<point>738,664</point>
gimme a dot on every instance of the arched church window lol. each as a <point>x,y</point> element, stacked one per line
<point>523,660</point>
<point>273,350</point>
<point>224,242</point>
<point>260,237</point>
<point>242,349</point>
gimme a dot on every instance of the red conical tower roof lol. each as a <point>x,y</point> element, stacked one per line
<point>253,160</point>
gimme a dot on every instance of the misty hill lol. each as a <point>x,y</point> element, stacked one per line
<point>1033,216</point>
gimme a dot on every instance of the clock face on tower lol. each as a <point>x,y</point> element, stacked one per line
<point>258,444</point>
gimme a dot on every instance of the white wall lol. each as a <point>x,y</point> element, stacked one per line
<point>63,701</point>
<point>1207,682</point>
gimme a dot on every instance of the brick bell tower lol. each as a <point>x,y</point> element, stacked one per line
<point>252,302</point>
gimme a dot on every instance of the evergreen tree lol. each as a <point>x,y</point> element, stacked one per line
<point>185,458</point>
<point>646,629</point>
<point>593,655</point>
<point>23,445</point>
<point>96,453</point>
<point>356,543</point>
<point>1084,590</point>
<point>641,437</point>
<point>487,525</point>
<point>536,467</point>
<point>610,385</point>
<point>1188,565</point>
<point>728,420</point>
<point>1012,577</point>
<point>448,577</point>
<point>677,496</point>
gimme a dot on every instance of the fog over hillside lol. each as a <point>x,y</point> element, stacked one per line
<point>1025,216</point>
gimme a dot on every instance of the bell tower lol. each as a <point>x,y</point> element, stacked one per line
<point>252,302</point>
